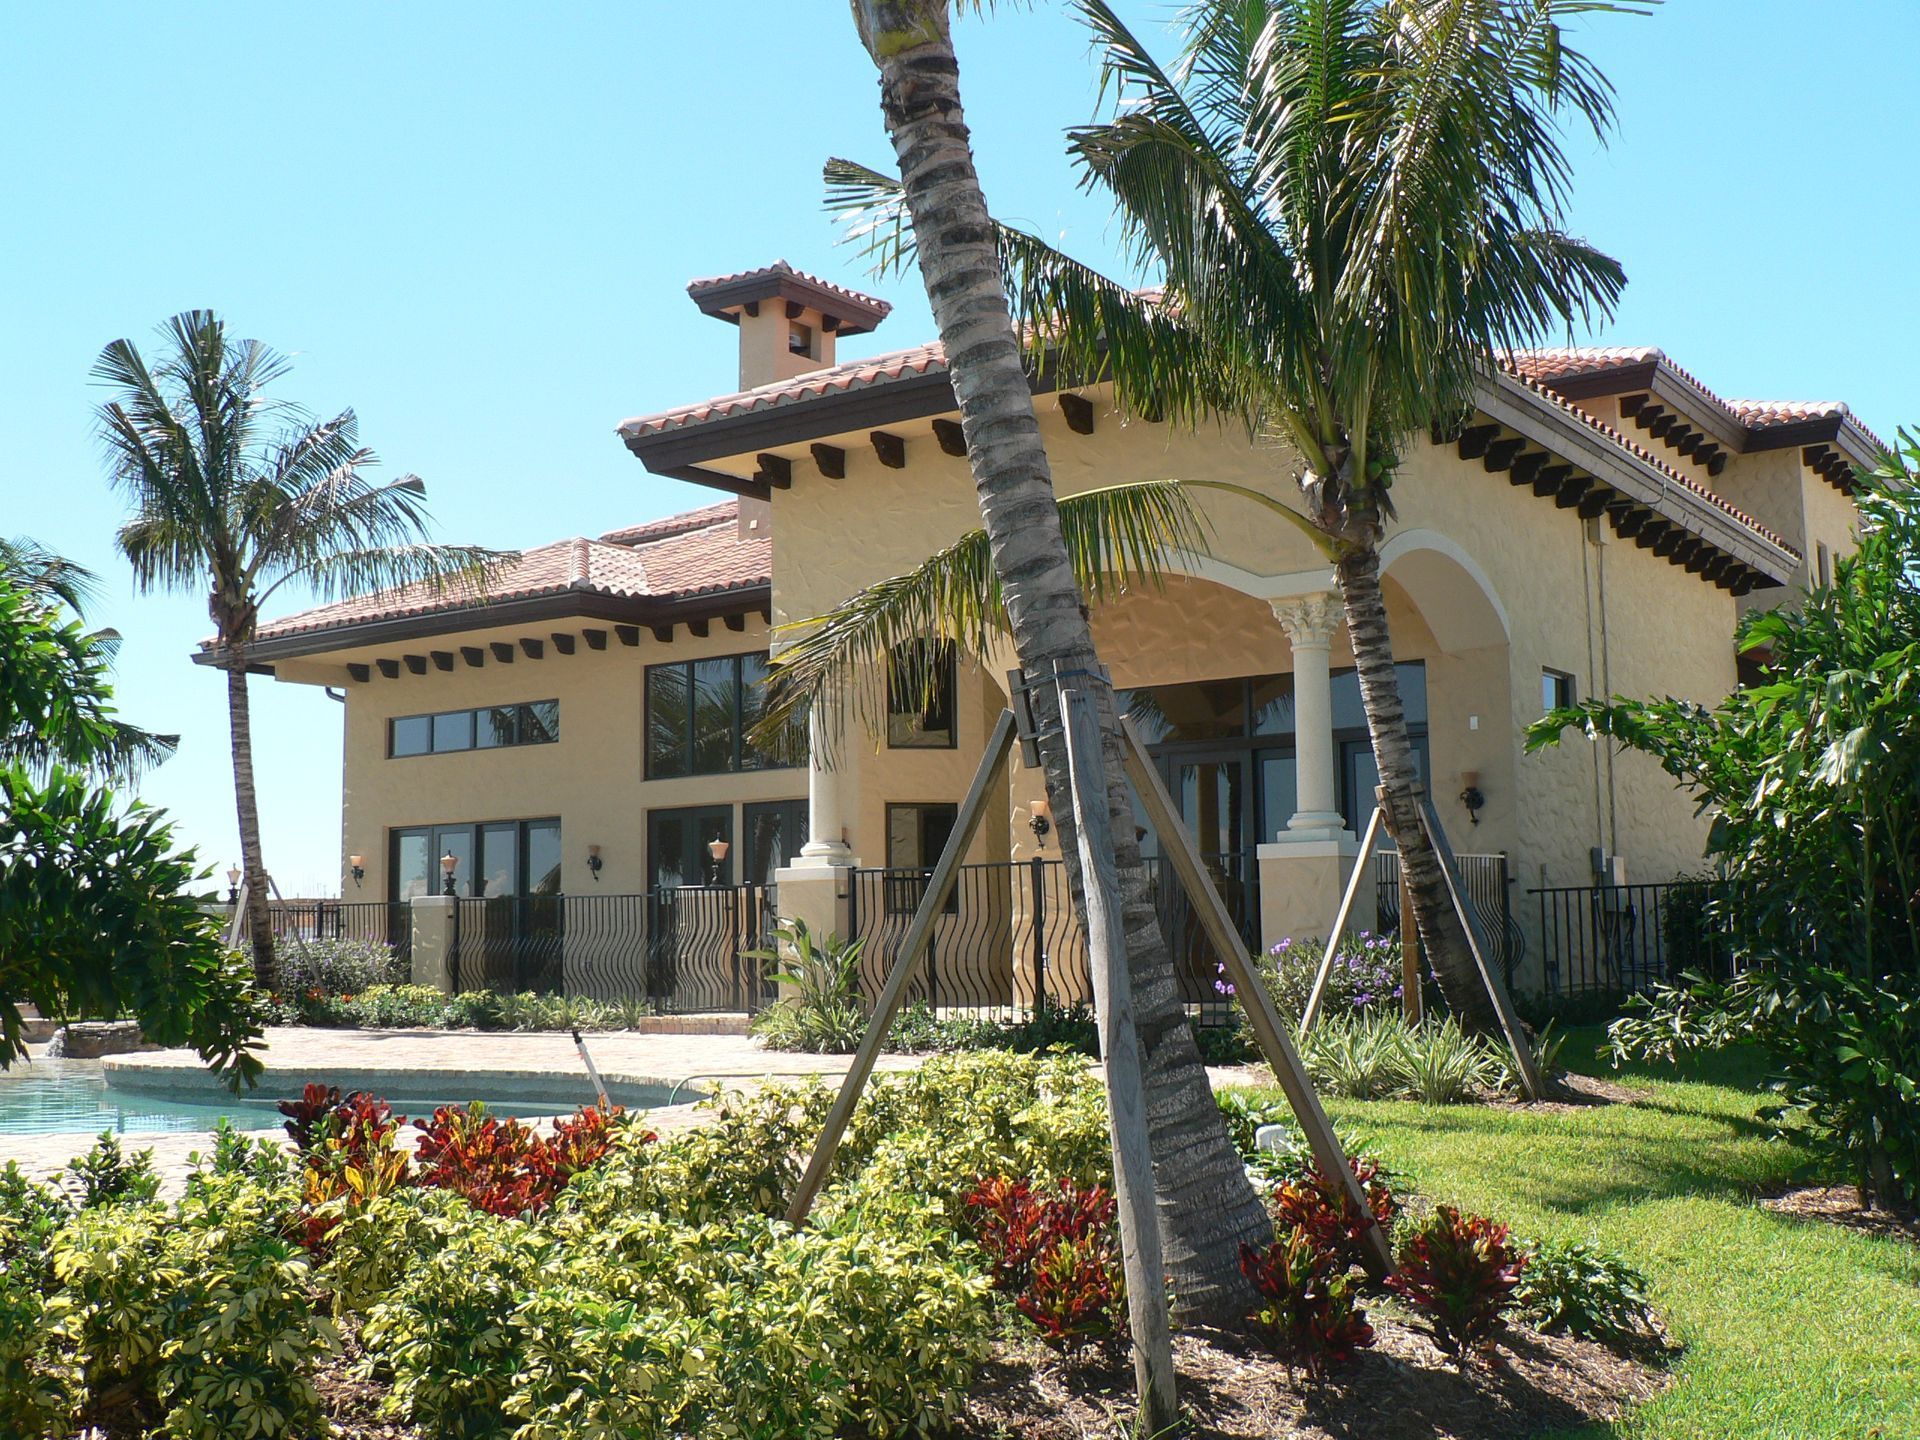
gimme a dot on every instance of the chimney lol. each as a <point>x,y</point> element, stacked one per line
<point>788,319</point>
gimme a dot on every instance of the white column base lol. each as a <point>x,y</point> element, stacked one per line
<point>1316,825</point>
<point>824,855</point>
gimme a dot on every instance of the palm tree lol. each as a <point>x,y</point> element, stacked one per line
<point>1355,206</point>
<point>72,724</point>
<point>242,494</point>
<point>1206,1205</point>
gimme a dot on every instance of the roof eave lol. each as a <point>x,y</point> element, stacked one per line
<point>568,604</point>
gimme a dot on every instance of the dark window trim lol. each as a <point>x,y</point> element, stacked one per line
<point>904,885</point>
<point>474,828</point>
<point>952,685</point>
<point>740,748</point>
<point>1564,677</point>
<point>476,712</point>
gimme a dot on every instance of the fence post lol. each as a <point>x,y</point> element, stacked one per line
<point>1037,873</point>
<point>432,951</point>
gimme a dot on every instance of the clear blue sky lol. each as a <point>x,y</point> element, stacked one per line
<point>474,224</point>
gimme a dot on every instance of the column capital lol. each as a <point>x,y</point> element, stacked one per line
<point>1309,620</point>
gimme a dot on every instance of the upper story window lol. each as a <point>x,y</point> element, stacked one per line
<point>1556,690</point>
<point>489,728</point>
<point>699,713</point>
<point>920,696</point>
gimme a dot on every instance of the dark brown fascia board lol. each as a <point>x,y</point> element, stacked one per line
<point>1614,380</point>
<point>1510,402</point>
<point>855,317</point>
<point>887,402</point>
<point>1668,386</point>
<point>1839,430</point>
<point>537,609</point>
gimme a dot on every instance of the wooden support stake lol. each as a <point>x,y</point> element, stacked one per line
<point>1133,1187</point>
<point>1362,864</point>
<point>1413,1005</point>
<point>1523,1057</point>
<point>906,964</point>
<point>1269,1030</point>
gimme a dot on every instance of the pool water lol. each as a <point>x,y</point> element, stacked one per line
<point>72,1097</point>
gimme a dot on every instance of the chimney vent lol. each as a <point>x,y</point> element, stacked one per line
<point>788,319</point>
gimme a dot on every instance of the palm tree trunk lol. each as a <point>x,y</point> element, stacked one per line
<point>1206,1206</point>
<point>1442,936</point>
<point>247,809</point>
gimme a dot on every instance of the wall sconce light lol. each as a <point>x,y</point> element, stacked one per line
<point>717,848</point>
<point>1471,795</point>
<point>233,885</point>
<point>594,862</point>
<point>358,864</point>
<point>447,866</point>
<point>1041,822</point>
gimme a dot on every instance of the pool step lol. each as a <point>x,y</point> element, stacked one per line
<point>725,1024</point>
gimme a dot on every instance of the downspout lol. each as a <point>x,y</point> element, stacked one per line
<point>1593,675</point>
<point>1606,685</point>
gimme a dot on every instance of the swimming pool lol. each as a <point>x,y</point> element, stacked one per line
<point>73,1097</point>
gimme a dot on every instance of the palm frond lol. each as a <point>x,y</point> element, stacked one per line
<point>844,663</point>
<point>47,573</point>
<point>462,570</point>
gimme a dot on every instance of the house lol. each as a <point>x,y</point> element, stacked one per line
<point>1598,525</point>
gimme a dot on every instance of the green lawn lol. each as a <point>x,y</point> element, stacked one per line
<point>1793,1329</point>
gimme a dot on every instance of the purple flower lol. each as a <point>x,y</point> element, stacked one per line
<point>1223,987</point>
<point>1398,992</point>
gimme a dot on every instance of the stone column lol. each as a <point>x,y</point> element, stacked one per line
<point>828,792</point>
<point>1304,868</point>
<point>433,958</point>
<point>1309,622</point>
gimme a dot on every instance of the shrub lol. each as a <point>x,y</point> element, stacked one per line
<point>1439,1064</point>
<point>1056,1254</point>
<point>1460,1273</point>
<point>36,1379</point>
<point>502,1166</point>
<point>1355,1056</point>
<point>1310,1317</point>
<point>1579,1289</point>
<point>30,1215</point>
<point>105,1176</point>
<point>334,966</point>
<point>1246,1111</point>
<point>1314,1203</point>
<point>824,1012</point>
<point>919,1031</point>
<point>1376,1055</point>
<point>194,1321</point>
<point>1365,975</point>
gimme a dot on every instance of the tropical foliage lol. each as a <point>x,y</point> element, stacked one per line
<point>1810,777</point>
<point>1353,208</point>
<point>822,1009</point>
<point>97,916</point>
<point>239,493</point>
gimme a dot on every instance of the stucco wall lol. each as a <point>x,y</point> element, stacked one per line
<point>591,778</point>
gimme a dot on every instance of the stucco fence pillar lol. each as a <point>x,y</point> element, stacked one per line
<point>1304,869</point>
<point>434,941</point>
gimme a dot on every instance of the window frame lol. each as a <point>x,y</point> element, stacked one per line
<point>913,734</point>
<point>743,757</point>
<point>1562,680</point>
<point>476,833</point>
<point>904,885</point>
<point>476,717</point>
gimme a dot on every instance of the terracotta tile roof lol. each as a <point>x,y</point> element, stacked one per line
<point>853,375</point>
<point>1635,448</point>
<point>697,553</point>
<point>779,268</point>
<point>1560,363</point>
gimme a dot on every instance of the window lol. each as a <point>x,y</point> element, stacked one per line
<point>916,834</point>
<point>680,846</point>
<point>698,715</point>
<point>1556,690</point>
<point>491,859</point>
<point>921,671</point>
<point>1824,558</point>
<point>537,723</point>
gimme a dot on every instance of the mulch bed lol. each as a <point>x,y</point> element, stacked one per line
<point>1403,1389</point>
<point>1840,1205</point>
<point>1233,1389</point>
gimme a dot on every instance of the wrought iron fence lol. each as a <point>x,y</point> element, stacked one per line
<point>1487,880</point>
<point>1009,934</point>
<point>1622,939</point>
<point>378,922</point>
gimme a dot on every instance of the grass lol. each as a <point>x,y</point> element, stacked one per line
<point>1791,1328</point>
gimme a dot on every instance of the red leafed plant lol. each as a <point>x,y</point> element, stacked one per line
<point>501,1166</point>
<point>1315,1204</point>
<point>348,1154</point>
<point>1459,1271</point>
<point>1056,1254</point>
<point>1311,1316</point>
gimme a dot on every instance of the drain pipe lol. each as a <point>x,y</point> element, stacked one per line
<point>593,1071</point>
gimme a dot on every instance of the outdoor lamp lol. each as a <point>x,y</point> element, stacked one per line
<point>1041,822</point>
<point>358,864</point>
<point>233,885</point>
<point>1471,795</point>
<point>447,866</point>
<point>594,862</point>
<point>717,848</point>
